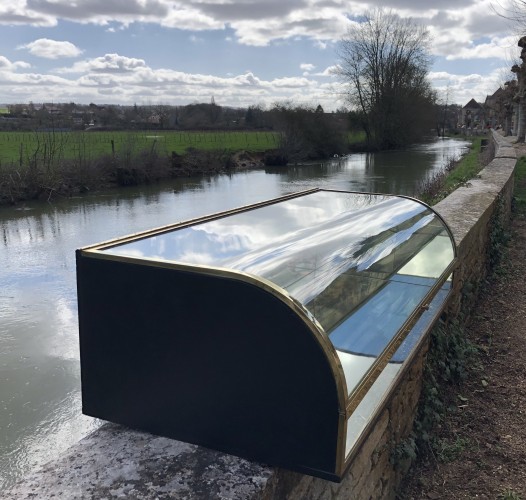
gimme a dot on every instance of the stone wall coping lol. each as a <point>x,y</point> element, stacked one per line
<point>470,202</point>
<point>117,462</point>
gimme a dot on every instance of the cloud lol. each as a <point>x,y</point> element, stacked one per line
<point>6,64</point>
<point>231,11</point>
<point>418,5</point>
<point>294,83</point>
<point>196,39</point>
<point>126,80</point>
<point>51,49</point>
<point>329,71</point>
<point>307,67</point>
<point>254,22</point>
<point>463,30</point>
<point>100,11</point>
<point>495,48</point>
<point>110,63</point>
<point>456,23</point>
<point>16,12</point>
<point>461,88</point>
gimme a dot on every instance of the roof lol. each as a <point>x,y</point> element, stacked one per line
<point>473,105</point>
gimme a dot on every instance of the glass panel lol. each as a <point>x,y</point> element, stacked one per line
<point>354,367</point>
<point>283,240</point>
<point>360,263</point>
<point>423,324</point>
<point>373,325</point>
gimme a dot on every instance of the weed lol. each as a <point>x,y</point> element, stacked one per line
<point>520,186</point>
<point>450,353</point>
<point>508,494</point>
<point>447,451</point>
<point>498,236</point>
<point>405,450</point>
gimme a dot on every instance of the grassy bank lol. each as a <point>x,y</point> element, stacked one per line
<point>44,165</point>
<point>520,185</point>
<point>456,173</point>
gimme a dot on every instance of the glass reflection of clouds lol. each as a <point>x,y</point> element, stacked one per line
<point>359,263</point>
<point>322,228</point>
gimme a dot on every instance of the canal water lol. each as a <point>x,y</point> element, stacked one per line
<point>40,410</point>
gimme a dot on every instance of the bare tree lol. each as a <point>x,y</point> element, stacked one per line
<point>384,62</point>
<point>514,11</point>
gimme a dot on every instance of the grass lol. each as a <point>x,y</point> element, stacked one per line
<point>449,451</point>
<point>520,185</point>
<point>45,164</point>
<point>454,175</point>
<point>509,495</point>
<point>356,137</point>
<point>15,146</point>
<point>467,168</point>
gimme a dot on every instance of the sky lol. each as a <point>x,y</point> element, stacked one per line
<point>238,52</point>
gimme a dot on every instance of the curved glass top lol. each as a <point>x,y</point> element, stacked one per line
<point>359,263</point>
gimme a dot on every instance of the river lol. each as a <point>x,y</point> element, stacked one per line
<point>40,410</point>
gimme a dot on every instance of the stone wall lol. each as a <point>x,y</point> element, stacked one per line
<point>476,212</point>
<point>116,462</point>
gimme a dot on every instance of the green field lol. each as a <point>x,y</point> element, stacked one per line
<point>17,147</point>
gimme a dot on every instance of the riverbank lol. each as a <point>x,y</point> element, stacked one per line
<point>54,167</point>
<point>479,448</point>
<point>49,178</point>
<point>457,171</point>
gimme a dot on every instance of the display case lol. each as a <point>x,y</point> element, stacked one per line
<point>273,332</point>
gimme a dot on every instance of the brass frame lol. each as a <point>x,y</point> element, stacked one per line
<point>347,402</point>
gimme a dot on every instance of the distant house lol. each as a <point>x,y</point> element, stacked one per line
<point>494,107</point>
<point>51,109</point>
<point>473,114</point>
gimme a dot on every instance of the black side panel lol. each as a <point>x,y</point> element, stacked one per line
<point>207,360</point>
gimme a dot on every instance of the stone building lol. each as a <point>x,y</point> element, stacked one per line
<point>473,115</point>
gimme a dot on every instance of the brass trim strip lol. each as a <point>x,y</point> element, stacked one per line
<point>341,444</point>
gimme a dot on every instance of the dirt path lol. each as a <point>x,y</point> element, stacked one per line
<point>481,445</point>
